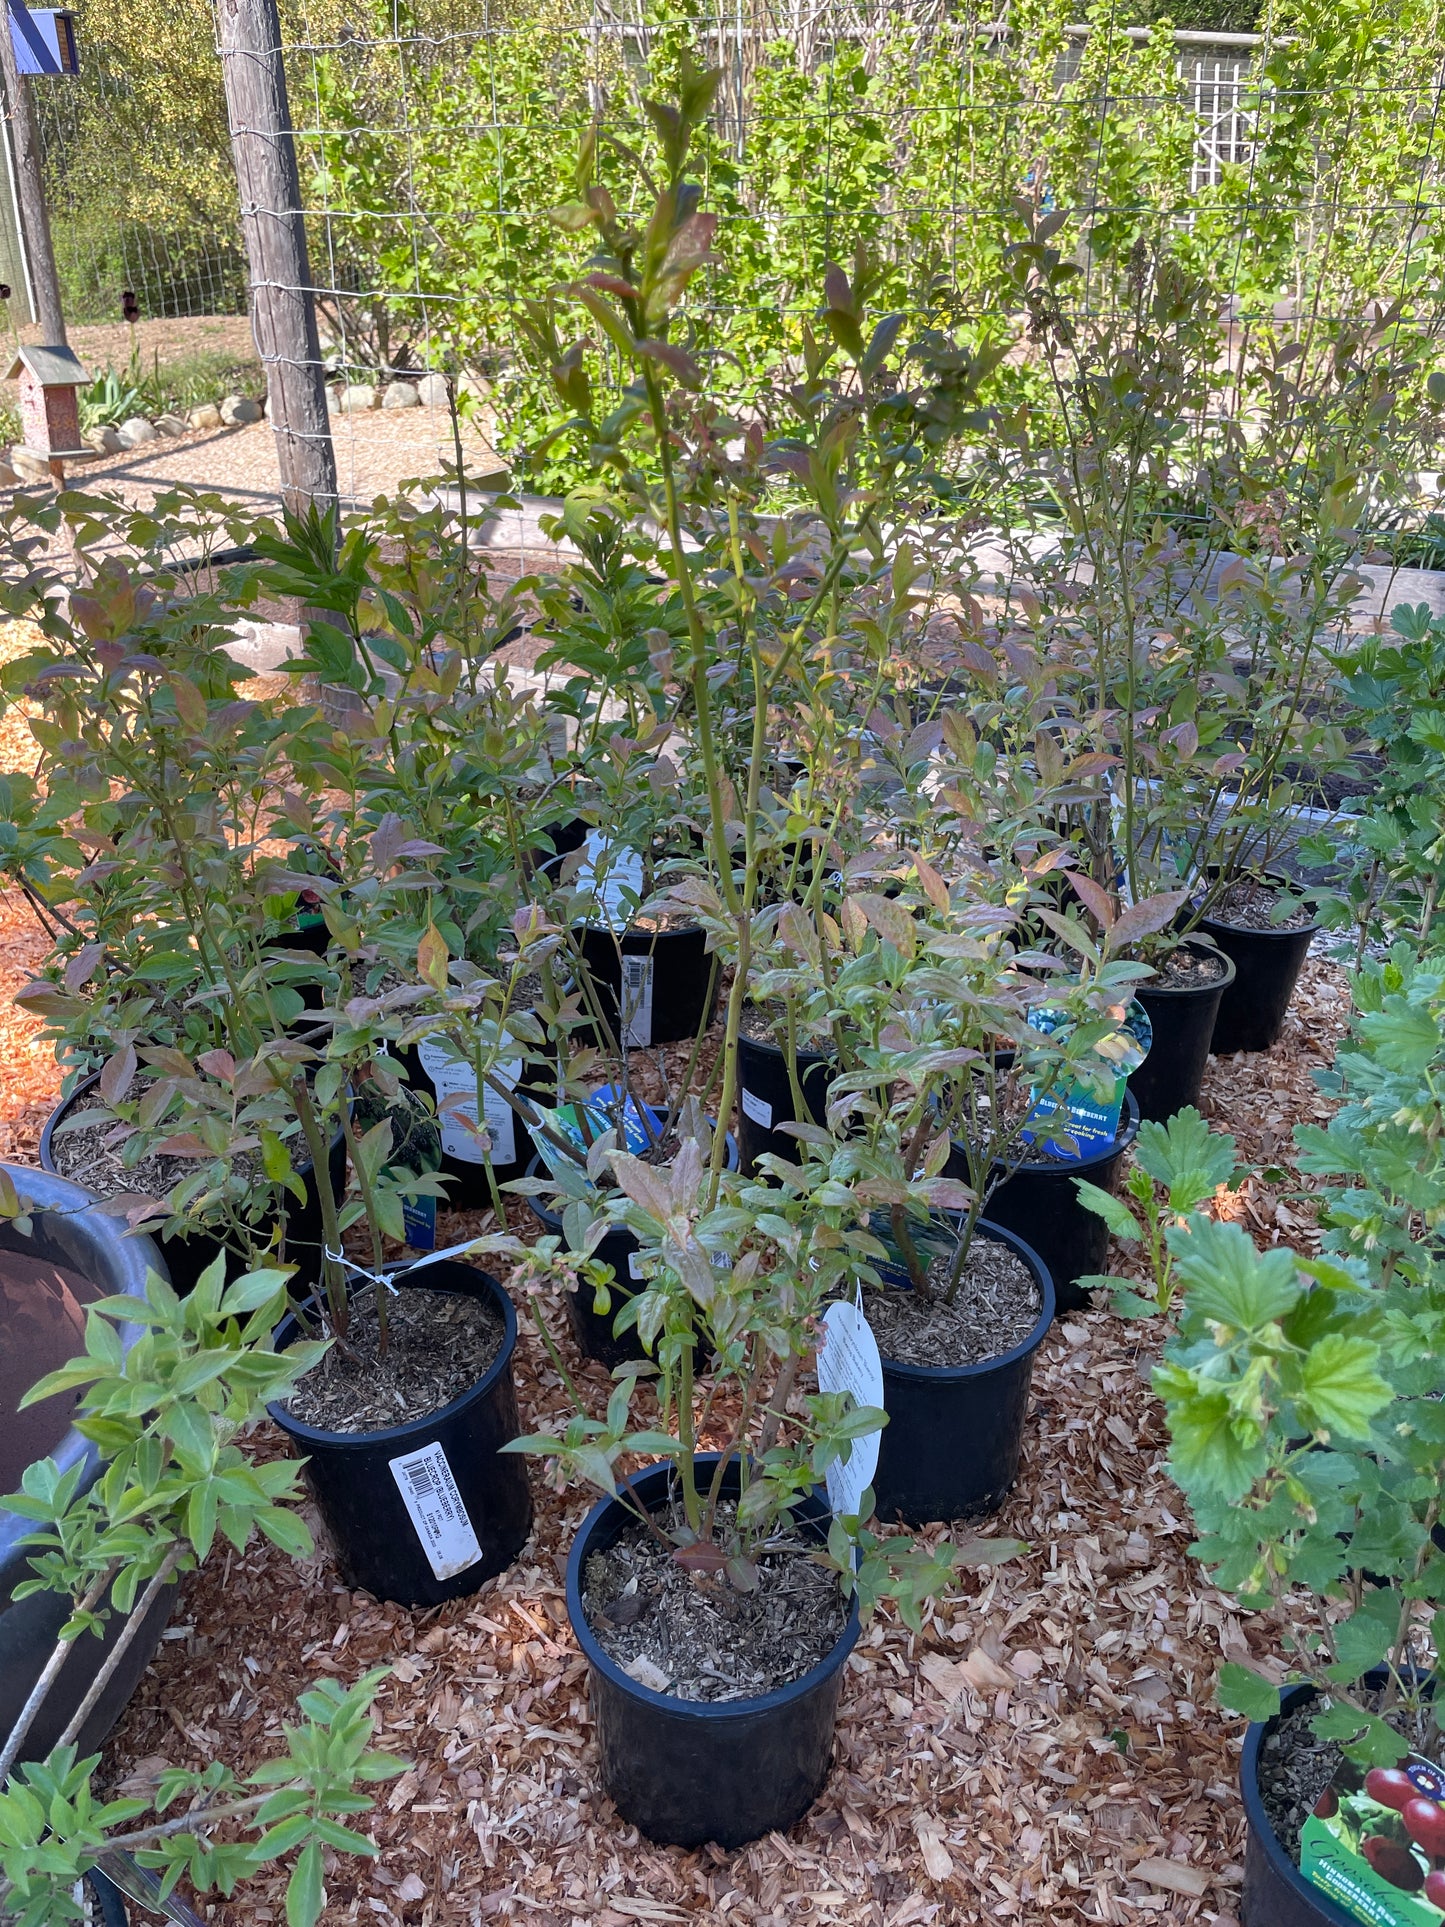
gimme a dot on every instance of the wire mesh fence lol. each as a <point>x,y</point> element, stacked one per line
<point>1296,177</point>
<point>1296,171</point>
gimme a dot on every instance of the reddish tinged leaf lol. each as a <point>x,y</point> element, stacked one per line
<point>703,1557</point>
<point>1143,919</point>
<point>612,284</point>
<point>672,358</point>
<point>219,1064</point>
<point>119,1072</point>
<point>691,244</point>
<point>1094,898</point>
<point>81,967</point>
<point>185,1144</point>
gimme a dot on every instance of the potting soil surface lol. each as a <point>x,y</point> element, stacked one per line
<point>1186,970</point>
<point>439,1344</point>
<point>697,1636</point>
<point>996,1308</point>
<point>1046,1748</point>
<point>1250,905</point>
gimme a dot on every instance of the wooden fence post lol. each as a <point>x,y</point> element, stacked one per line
<point>283,312</point>
<point>30,192</point>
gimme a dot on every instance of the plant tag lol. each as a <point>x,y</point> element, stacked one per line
<point>430,1495</point>
<point>849,1362</point>
<point>1088,1113</point>
<point>611,875</point>
<point>419,1222</point>
<point>1373,1842</point>
<point>758,1109</point>
<point>451,1078</point>
<point>636,1012</point>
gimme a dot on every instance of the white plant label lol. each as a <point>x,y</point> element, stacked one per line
<point>849,1362</point>
<point>451,1078</point>
<point>636,1002</point>
<point>612,876</point>
<point>634,1268</point>
<point>430,1495</point>
<point>758,1109</point>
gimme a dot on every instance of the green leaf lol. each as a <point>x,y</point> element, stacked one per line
<point>1230,1282</point>
<point>1115,1213</point>
<point>304,1891</point>
<point>1340,1388</point>
<point>1243,1691</point>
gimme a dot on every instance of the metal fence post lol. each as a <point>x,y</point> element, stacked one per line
<point>283,311</point>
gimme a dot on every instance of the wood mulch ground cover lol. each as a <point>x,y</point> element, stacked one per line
<point>1047,1749</point>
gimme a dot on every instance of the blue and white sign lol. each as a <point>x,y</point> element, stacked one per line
<point>43,39</point>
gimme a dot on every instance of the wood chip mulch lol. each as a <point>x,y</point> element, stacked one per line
<point>1047,1749</point>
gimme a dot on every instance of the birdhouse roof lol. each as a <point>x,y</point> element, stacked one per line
<point>51,367</point>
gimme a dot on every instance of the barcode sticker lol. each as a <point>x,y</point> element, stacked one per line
<point>637,1001</point>
<point>429,1493</point>
<point>454,1080</point>
<point>758,1110</point>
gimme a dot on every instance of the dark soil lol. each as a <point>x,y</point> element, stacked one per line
<point>699,1637</point>
<point>996,1308</point>
<point>757,1026</point>
<point>92,1153</point>
<point>1295,1768</point>
<point>1187,970</point>
<point>1250,905</point>
<point>440,1344</point>
<point>42,1327</point>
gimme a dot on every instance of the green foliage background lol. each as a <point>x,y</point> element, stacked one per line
<point>436,136</point>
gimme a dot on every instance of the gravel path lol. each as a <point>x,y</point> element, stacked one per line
<point>375,453</point>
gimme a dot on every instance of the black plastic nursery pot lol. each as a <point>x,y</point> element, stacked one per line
<point>427,1511</point>
<point>70,1231</point>
<point>672,981</point>
<point>1040,1203</point>
<point>1267,964</point>
<point>765,1098</point>
<point>188,1253</point>
<point>1276,1893</point>
<point>1183,1017</point>
<point>684,1772</point>
<point>593,1329</point>
<point>954,1436</point>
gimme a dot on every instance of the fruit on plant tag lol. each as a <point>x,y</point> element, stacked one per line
<point>1371,1847</point>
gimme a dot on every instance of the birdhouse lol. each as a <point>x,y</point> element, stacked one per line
<point>49,404</point>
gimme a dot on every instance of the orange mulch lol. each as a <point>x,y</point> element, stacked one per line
<point>1047,1749</point>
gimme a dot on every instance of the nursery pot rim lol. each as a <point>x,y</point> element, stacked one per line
<point>711,1710</point>
<point>776,1050</point>
<point>1260,1830</point>
<point>1277,880</point>
<point>1039,1331</point>
<point>397,1434</point>
<point>1130,1124</point>
<point>1153,988</point>
<point>63,1197</point>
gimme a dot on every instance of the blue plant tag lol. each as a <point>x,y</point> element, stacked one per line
<point>1083,1118</point>
<point>419,1223</point>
